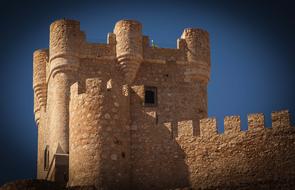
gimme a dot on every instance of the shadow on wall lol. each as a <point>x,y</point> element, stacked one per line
<point>157,160</point>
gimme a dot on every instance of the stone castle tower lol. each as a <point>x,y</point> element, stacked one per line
<point>126,114</point>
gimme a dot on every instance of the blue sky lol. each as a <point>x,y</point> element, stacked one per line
<point>252,57</point>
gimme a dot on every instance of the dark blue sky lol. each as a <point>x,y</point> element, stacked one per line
<point>252,53</point>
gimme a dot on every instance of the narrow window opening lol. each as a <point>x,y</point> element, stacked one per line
<point>123,154</point>
<point>150,96</point>
<point>46,158</point>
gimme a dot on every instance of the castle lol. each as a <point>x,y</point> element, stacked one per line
<point>128,115</point>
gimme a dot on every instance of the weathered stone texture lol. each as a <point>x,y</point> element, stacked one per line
<point>99,129</point>
<point>232,124</point>
<point>129,47</point>
<point>235,158</point>
<point>197,41</point>
<point>280,119</point>
<point>90,108</point>
<point>208,127</point>
<point>40,59</point>
<point>42,142</point>
<point>65,38</point>
<point>255,121</point>
<point>198,53</point>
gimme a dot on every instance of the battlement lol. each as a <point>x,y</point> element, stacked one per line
<point>239,157</point>
<point>91,86</point>
<point>129,47</point>
<point>232,124</point>
<point>208,127</point>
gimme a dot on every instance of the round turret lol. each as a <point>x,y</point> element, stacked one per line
<point>40,58</point>
<point>198,51</point>
<point>65,42</point>
<point>65,37</point>
<point>129,47</point>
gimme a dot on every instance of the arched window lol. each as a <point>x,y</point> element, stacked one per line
<point>46,158</point>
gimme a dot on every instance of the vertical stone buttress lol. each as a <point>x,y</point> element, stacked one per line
<point>40,58</point>
<point>129,47</point>
<point>197,48</point>
<point>65,41</point>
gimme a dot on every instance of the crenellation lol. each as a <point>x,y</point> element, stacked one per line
<point>255,121</point>
<point>128,115</point>
<point>90,86</point>
<point>94,86</point>
<point>280,119</point>
<point>232,124</point>
<point>208,127</point>
<point>185,128</point>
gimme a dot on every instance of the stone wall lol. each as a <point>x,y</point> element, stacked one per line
<point>157,159</point>
<point>237,158</point>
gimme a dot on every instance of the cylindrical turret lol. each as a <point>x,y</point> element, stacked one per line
<point>40,58</point>
<point>99,136</point>
<point>65,42</point>
<point>129,47</point>
<point>197,48</point>
<point>65,38</point>
<point>198,51</point>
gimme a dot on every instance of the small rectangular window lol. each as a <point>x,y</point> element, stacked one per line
<point>46,158</point>
<point>150,96</point>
